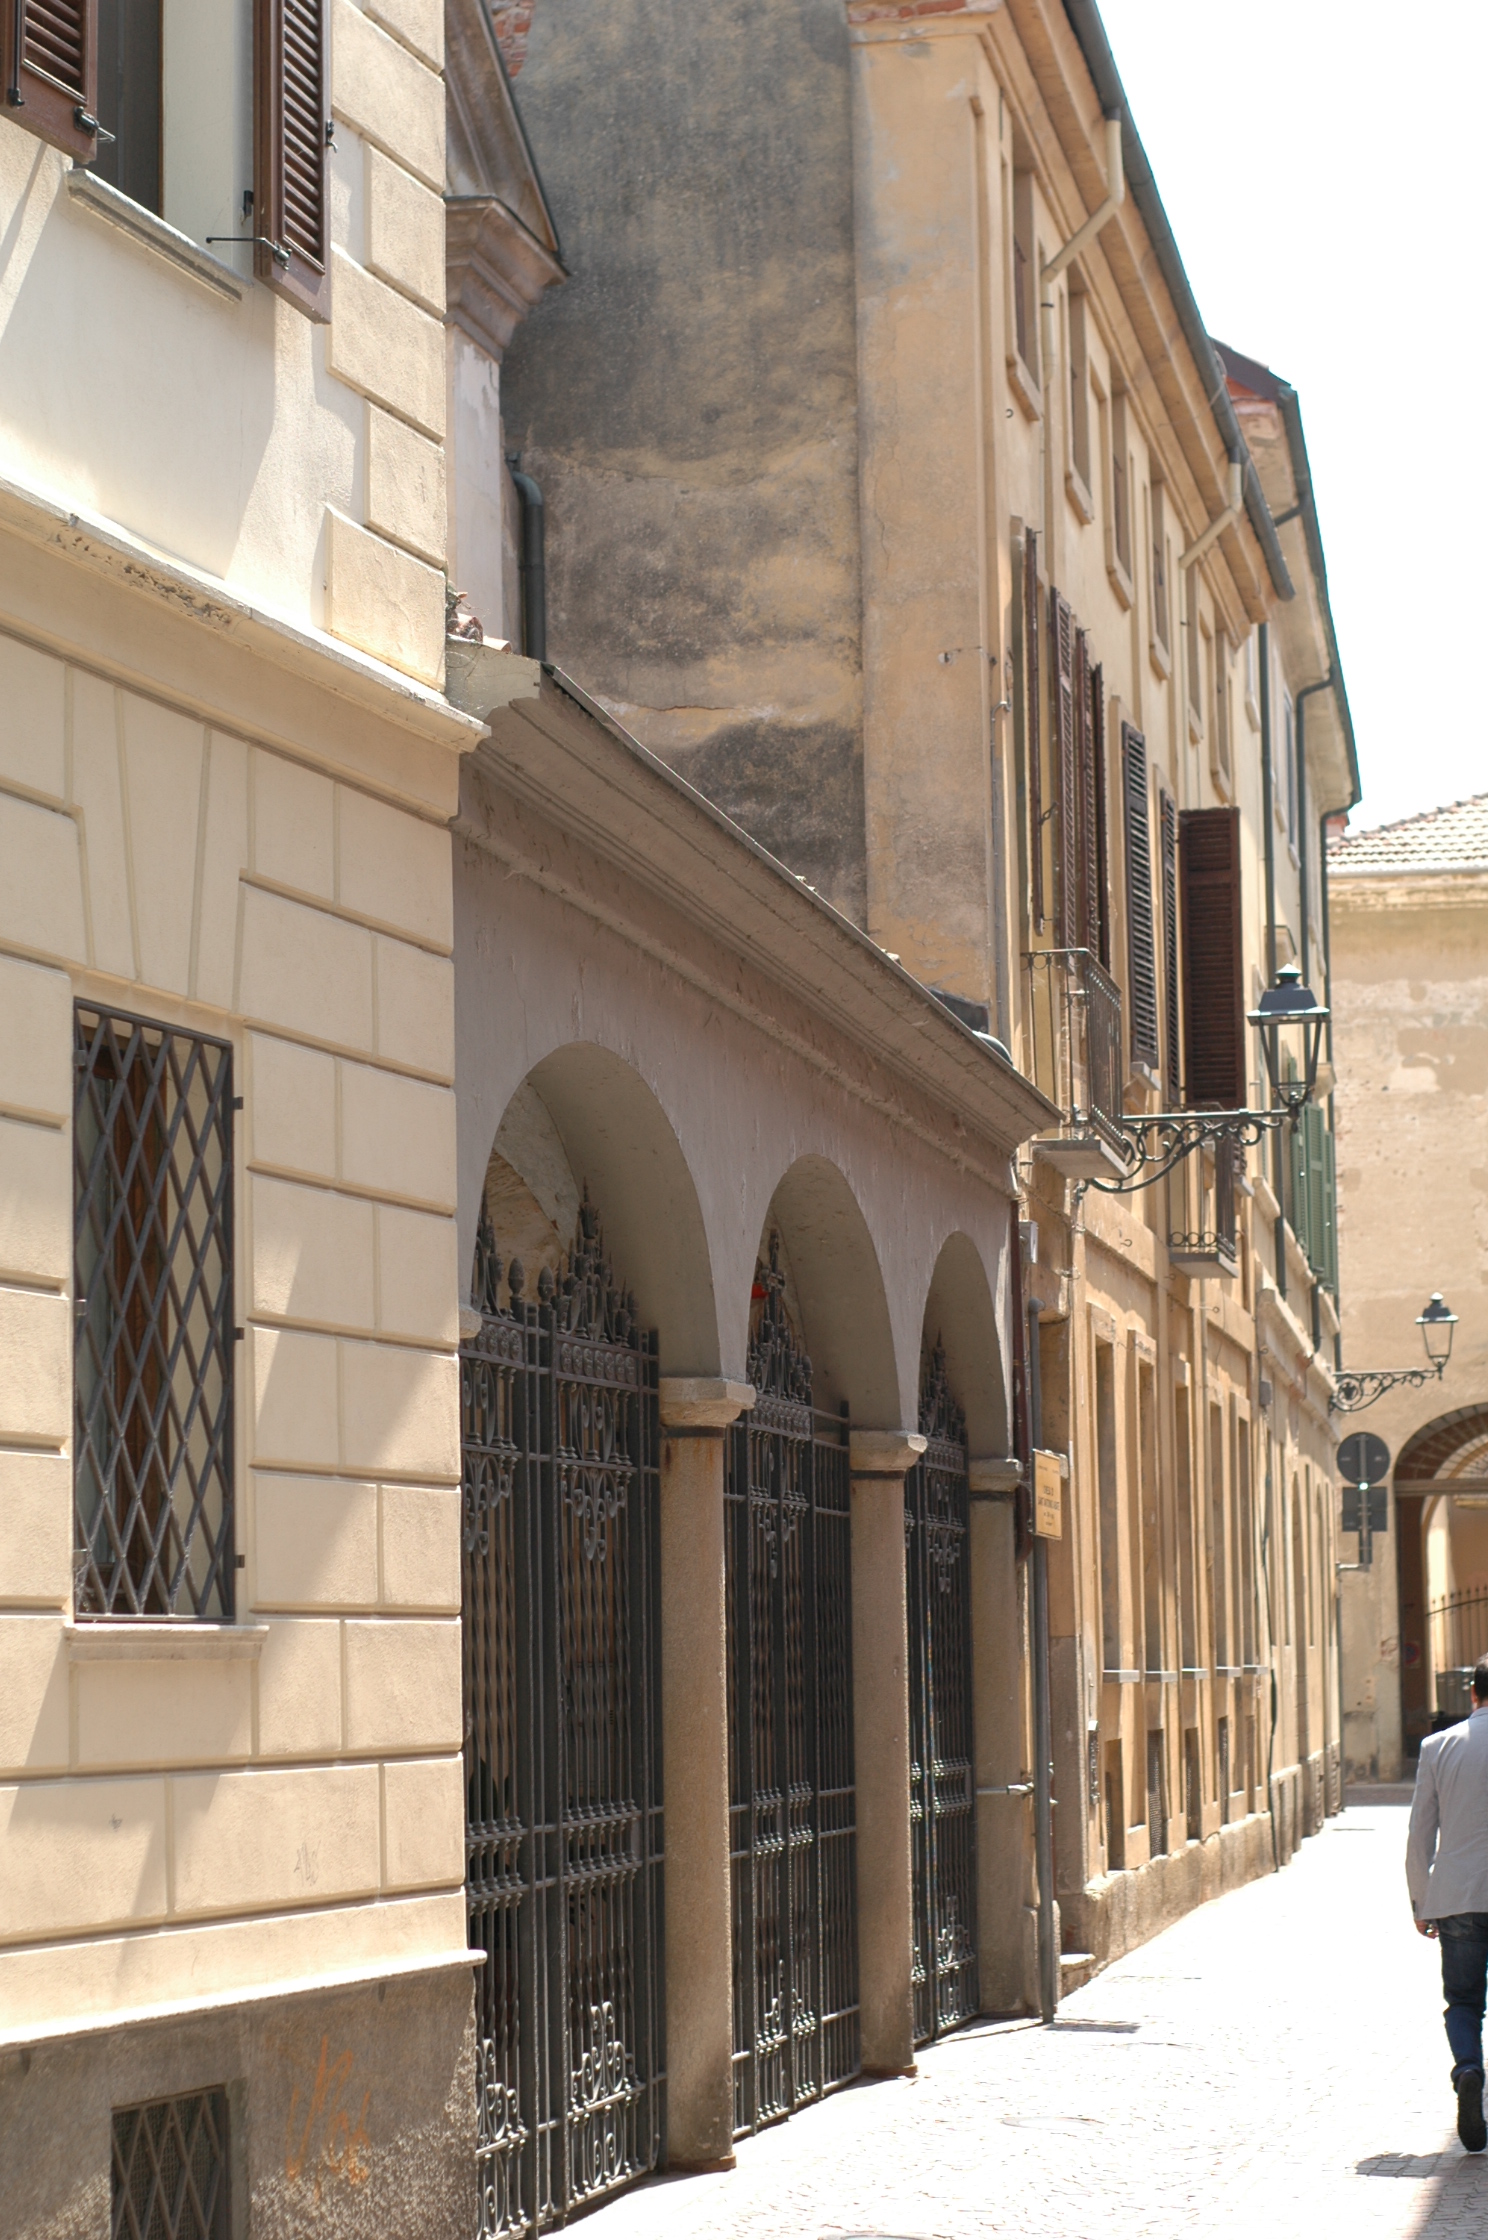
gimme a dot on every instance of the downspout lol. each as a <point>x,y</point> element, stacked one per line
<point>1323,821</point>
<point>532,563</point>
<point>1268,828</point>
<point>1043,1716</point>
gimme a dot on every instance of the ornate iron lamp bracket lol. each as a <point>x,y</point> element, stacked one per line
<point>1360,1388</point>
<point>1155,1143</point>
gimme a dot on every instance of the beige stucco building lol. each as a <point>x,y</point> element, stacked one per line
<point>1411,1010</point>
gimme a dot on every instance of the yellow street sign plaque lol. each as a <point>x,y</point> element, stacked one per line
<point>1048,1496</point>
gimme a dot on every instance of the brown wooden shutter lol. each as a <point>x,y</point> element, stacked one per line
<point>50,51</point>
<point>1062,693</point>
<point>1169,842</point>
<point>1032,742</point>
<point>1097,874</point>
<point>1214,980</point>
<point>1141,993</point>
<point>291,125</point>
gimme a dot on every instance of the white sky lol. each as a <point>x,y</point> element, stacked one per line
<point>1322,168</point>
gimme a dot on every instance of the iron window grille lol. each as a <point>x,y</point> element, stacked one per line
<point>170,2170</point>
<point>154,1336</point>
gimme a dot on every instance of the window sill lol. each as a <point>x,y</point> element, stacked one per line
<point>1161,659</point>
<point>1119,573</point>
<point>140,1641</point>
<point>1025,388</point>
<point>153,234</point>
<point>1077,491</point>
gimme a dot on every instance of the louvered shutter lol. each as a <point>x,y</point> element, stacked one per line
<point>1168,816</point>
<point>1032,742</point>
<point>1141,993</point>
<point>291,112</point>
<point>50,50</point>
<point>1093,786</point>
<point>1062,693</point>
<point>1213,983</point>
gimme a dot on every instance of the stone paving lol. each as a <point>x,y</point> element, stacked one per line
<point>1272,2066</point>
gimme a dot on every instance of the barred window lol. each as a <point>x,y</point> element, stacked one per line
<point>153,1353</point>
<point>170,2171</point>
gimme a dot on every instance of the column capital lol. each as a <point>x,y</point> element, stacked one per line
<point>702,1403</point>
<point>884,1454</point>
<point>994,1473</point>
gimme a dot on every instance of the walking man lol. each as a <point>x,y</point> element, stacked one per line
<point>1446,1866</point>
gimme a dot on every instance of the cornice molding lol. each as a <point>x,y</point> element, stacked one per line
<point>495,270</point>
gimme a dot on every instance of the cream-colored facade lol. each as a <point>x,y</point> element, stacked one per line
<point>232,1852</point>
<point>1407,909</point>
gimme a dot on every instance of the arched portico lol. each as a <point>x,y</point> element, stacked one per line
<point>1441,1505</point>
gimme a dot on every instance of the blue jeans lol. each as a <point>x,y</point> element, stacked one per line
<point>1464,1959</point>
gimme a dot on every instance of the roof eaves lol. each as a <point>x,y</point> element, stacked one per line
<point>1085,22</point>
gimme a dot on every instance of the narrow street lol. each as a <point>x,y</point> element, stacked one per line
<point>1272,2066</point>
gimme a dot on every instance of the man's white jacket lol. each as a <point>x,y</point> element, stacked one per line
<point>1446,1857</point>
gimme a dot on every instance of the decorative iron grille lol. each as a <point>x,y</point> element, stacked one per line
<point>562,1749</point>
<point>170,2170</point>
<point>153,1351</point>
<point>942,1803</point>
<point>792,1801</point>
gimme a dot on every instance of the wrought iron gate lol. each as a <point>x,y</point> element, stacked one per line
<point>562,1755</point>
<point>937,1533</point>
<point>792,1816</point>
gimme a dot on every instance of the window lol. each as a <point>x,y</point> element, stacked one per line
<point>1213,959</point>
<point>153,1350</point>
<point>1141,943</point>
<point>1025,274</point>
<point>1219,730</point>
<point>155,100</point>
<point>1121,537</point>
<point>170,2178</point>
<point>1079,401</point>
<point>1160,630</point>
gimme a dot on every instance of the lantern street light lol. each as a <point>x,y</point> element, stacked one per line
<point>1360,1388</point>
<point>1291,1021</point>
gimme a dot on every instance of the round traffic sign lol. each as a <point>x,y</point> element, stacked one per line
<point>1363,1460</point>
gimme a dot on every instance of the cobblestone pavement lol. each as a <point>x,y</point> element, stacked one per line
<point>1272,2066</point>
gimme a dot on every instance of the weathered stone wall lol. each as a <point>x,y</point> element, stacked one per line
<point>688,401</point>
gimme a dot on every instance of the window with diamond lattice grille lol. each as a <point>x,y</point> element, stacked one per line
<point>153,1350</point>
<point>170,2170</point>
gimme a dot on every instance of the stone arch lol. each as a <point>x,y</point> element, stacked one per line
<point>961,1316</point>
<point>585,1120</point>
<point>836,1285</point>
<point>1451,1446</point>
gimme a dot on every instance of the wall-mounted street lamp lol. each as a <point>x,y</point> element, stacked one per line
<point>1291,1023</point>
<point>1360,1388</point>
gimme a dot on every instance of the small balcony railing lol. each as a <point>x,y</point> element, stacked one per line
<point>1207,1250</point>
<point>1077,1051</point>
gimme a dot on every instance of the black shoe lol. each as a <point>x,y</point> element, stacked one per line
<point>1471,2129</point>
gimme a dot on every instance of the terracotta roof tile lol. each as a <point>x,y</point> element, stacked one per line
<point>1452,838</point>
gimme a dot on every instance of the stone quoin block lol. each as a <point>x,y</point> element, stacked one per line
<point>424,1819</point>
<point>291,1106</point>
<point>294,1398</point>
<point>402,1684</point>
<point>41,894</point>
<point>380,598</point>
<point>294,826</point>
<point>417,1288</point>
<point>35,1040</point>
<point>176,1712</point>
<point>299,1689</point>
<point>33,1696</point>
<point>400,1410</point>
<point>386,347</point>
<point>388,94</point>
<point>35,1367</point>
<point>35,1528</point>
<point>421,1547</point>
<point>81,1855</point>
<point>306,970</point>
<point>405,231</point>
<point>33,693</point>
<point>313,1254</point>
<point>397,1136</point>
<point>35,1202</point>
<point>395,869</point>
<point>163,758</point>
<point>415,1008</point>
<point>405,486</point>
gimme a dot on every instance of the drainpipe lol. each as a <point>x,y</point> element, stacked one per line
<point>531,562</point>
<point>1115,196</point>
<point>1324,684</point>
<point>1332,1115</point>
<point>1043,1716</point>
<point>1268,827</point>
<point>1235,495</point>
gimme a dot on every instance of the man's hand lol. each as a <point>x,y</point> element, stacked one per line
<point>1426,1928</point>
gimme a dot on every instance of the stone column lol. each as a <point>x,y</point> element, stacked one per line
<point>695,1413</point>
<point>880,1647</point>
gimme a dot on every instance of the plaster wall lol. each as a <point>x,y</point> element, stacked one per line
<point>299,463</point>
<point>1411,1044</point>
<point>687,400</point>
<point>280,1800</point>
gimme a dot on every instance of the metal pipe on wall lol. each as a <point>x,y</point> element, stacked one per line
<point>1043,1716</point>
<point>532,561</point>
